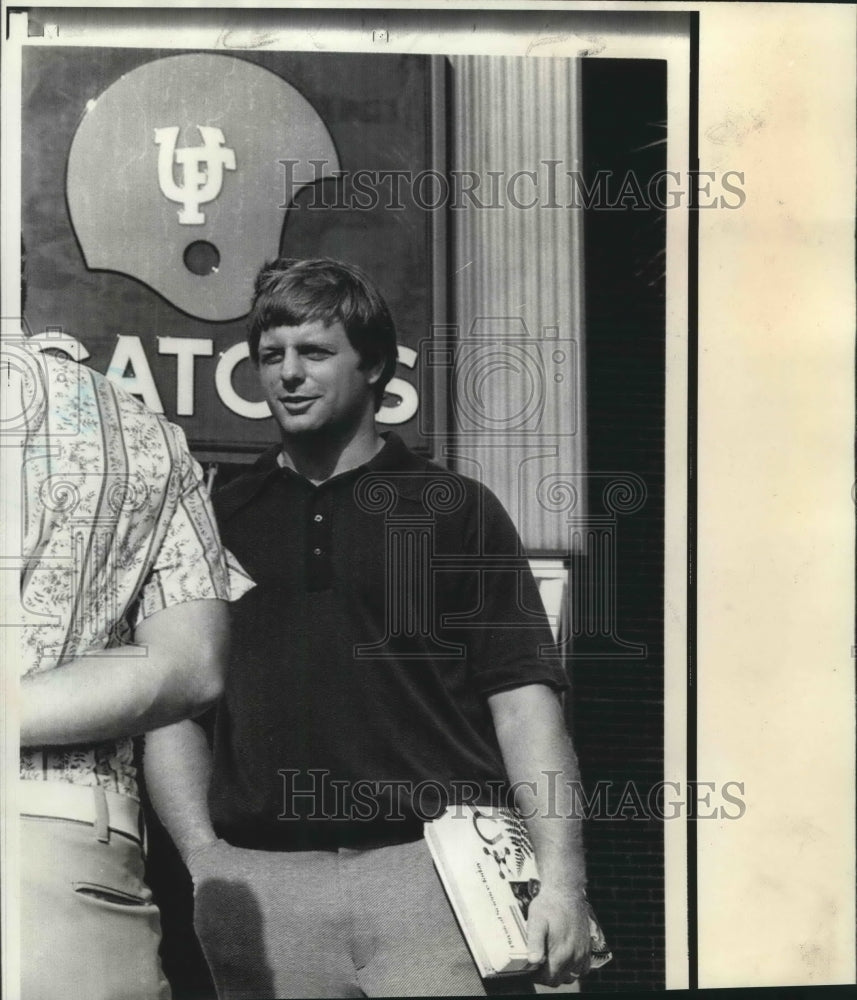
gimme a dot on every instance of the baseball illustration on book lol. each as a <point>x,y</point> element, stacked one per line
<point>485,860</point>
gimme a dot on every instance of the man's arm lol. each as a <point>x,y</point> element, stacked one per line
<point>542,766</point>
<point>174,670</point>
<point>177,763</point>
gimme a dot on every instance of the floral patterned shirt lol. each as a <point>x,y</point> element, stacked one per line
<point>116,526</point>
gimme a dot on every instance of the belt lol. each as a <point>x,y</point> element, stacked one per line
<point>98,807</point>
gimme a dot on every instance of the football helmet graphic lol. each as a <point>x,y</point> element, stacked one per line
<point>175,176</point>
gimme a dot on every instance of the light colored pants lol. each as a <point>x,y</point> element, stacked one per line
<point>331,924</point>
<point>89,928</point>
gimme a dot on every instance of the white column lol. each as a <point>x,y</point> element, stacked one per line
<point>517,389</point>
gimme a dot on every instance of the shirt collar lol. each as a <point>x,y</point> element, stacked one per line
<point>395,456</point>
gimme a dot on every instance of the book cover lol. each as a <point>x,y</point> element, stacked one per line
<point>485,860</point>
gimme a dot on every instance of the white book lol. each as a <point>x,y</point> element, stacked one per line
<point>485,860</point>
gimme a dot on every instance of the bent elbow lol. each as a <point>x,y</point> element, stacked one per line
<point>206,691</point>
<point>204,680</point>
<point>205,695</point>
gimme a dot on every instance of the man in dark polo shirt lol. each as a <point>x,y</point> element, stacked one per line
<point>386,665</point>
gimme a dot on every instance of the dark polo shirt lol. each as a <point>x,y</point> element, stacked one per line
<point>390,601</point>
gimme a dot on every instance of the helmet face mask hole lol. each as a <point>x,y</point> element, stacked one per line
<point>201,258</point>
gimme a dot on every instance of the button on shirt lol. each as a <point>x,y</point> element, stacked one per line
<point>391,600</point>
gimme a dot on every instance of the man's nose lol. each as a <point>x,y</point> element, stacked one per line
<point>292,368</point>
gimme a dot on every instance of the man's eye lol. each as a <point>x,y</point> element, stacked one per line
<point>270,359</point>
<point>317,353</point>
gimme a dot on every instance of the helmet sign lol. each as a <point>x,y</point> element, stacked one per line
<point>174,176</point>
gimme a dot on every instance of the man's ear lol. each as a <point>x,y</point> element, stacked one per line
<point>374,372</point>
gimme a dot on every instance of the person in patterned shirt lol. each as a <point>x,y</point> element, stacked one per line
<point>123,595</point>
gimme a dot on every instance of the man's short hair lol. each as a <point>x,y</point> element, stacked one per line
<point>289,292</point>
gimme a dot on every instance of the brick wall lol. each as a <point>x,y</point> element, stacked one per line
<point>616,711</point>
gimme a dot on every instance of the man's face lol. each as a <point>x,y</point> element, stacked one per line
<point>312,379</point>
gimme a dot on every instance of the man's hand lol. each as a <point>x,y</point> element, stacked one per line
<point>541,763</point>
<point>558,936</point>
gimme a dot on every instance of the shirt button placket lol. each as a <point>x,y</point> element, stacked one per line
<point>319,543</point>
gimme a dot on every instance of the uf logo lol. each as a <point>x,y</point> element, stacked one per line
<point>202,170</point>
